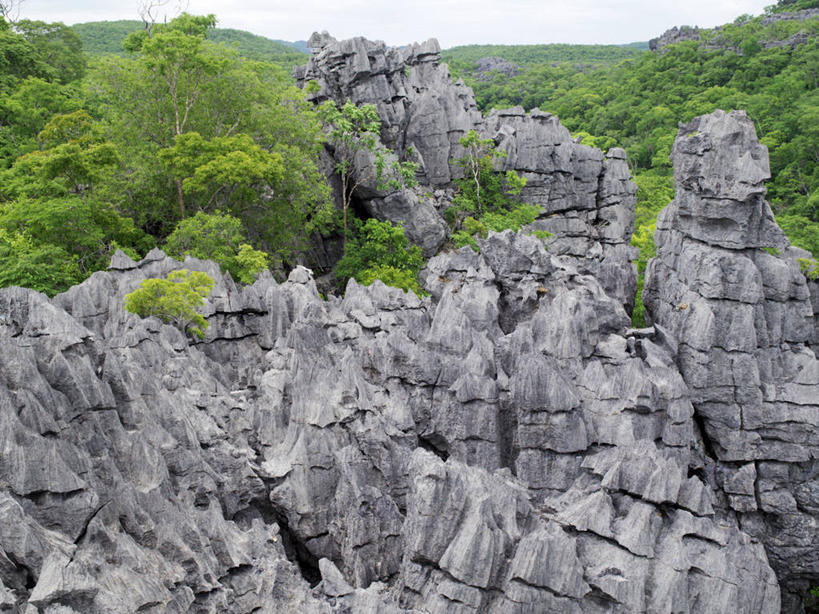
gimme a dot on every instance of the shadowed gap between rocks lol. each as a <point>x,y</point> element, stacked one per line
<point>297,552</point>
<point>436,444</point>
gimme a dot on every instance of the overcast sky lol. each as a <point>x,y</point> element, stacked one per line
<point>452,22</point>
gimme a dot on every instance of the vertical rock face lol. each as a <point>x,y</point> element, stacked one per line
<point>726,284</point>
<point>587,199</point>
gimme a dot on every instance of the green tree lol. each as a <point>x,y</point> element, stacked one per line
<point>483,188</point>
<point>48,198</point>
<point>802,232</point>
<point>351,131</point>
<point>74,160</point>
<point>175,58</point>
<point>256,145</point>
<point>59,48</point>
<point>174,300</point>
<point>43,267</point>
<point>26,110</point>
<point>486,199</point>
<point>380,250</point>
<point>218,237</point>
<point>18,58</point>
<point>223,171</point>
<point>87,231</point>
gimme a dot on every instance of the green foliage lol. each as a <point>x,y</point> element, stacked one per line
<point>43,267</point>
<point>218,237</point>
<point>482,188</point>
<point>462,59</point>
<point>58,46</point>
<point>200,128</point>
<point>19,58</point>
<point>392,276</point>
<point>259,48</point>
<point>222,172</point>
<point>25,112</point>
<point>249,263</point>
<point>642,239</point>
<point>351,130</point>
<point>802,232</point>
<point>53,210</point>
<point>515,218</point>
<point>380,250</point>
<point>810,268</point>
<point>793,5</point>
<point>67,168</point>
<point>173,300</point>
<point>470,228</point>
<point>486,199</point>
<point>74,159</point>
<point>87,231</point>
<point>654,192</point>
<point>604,143</point>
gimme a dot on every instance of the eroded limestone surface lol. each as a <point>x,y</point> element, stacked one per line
<point>586,199</point>
<point>727,285</point>
<point>506,444</point>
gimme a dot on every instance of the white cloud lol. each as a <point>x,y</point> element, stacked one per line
<point>453,22</point>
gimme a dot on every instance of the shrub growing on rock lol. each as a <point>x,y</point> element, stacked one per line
<point>173,300</point>
<point>380,250</point>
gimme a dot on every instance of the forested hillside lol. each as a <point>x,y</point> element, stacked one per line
<point>462,59</point>
<point>101,37</point>
<point>637,103</point>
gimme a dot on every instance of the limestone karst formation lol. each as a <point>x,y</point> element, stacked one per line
<point>505,445</point>
<point>587,198</point>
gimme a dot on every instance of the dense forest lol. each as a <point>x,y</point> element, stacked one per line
<point>180,142</point>
<point>195,139</point>
<point>463,59</point>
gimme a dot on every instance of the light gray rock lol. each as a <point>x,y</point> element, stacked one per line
<point>293,459</point>
<point>727,285</point>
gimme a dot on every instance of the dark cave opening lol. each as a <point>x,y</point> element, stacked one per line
<point>436,444</point>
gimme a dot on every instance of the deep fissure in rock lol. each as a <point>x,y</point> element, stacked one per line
<point>297,552</point>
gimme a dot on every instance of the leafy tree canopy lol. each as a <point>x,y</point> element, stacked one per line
<point>218,237</point>
<point>174,300</point>
<point>380,250</point>
<point>201,128</point>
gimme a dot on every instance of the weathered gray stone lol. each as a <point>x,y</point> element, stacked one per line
<point>727,285</point>
<point>143,470</point>
<point>587,199</point>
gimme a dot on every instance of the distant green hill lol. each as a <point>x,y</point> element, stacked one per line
<point>100,37</point>
<point>528,55</point>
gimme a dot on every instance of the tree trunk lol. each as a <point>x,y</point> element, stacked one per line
<point>180,197</point>
<point>344,216</point>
